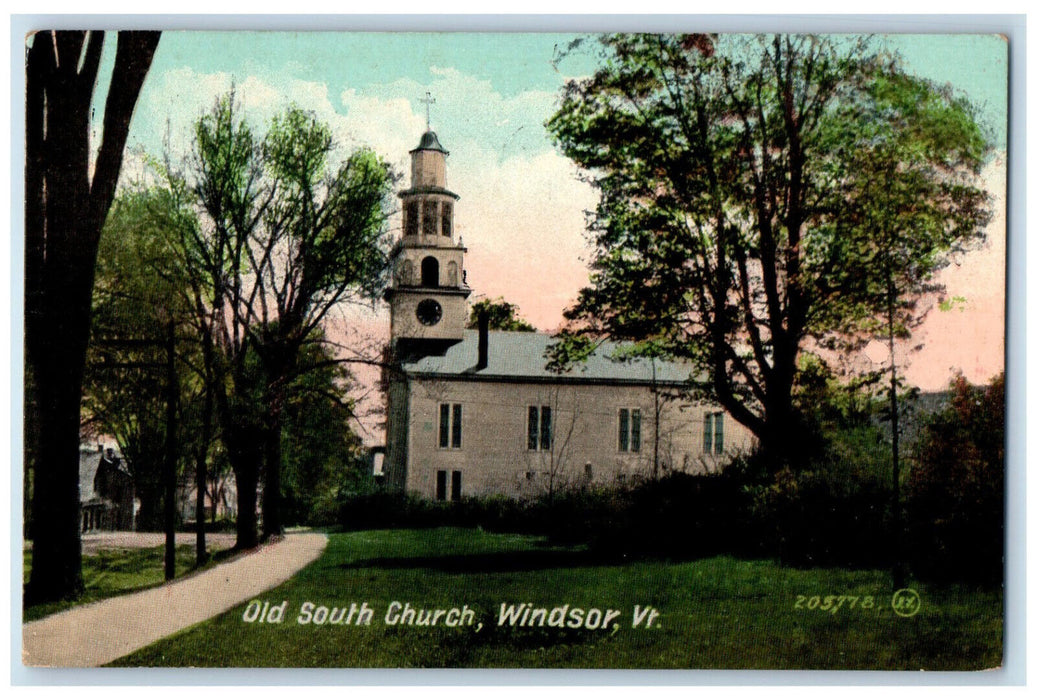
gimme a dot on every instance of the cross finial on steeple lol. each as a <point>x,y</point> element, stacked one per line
<point>428,101</point>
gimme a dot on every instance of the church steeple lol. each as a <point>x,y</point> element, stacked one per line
<point>428,206</point>
<point>428,290</point>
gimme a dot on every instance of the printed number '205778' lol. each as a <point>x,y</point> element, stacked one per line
<point>833,603</point>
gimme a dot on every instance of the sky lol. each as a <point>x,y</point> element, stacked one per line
<point>522,207</point>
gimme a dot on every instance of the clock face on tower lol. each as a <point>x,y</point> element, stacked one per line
<point>429,312</point>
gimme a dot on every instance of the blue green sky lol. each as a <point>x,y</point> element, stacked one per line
<point>385,65</point>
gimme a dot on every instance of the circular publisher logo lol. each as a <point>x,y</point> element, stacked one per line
<point>906,602</point>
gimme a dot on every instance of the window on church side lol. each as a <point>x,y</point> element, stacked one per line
<point>713,433</point>
<point>455,428</point>
<point>450,425</point>
<point>410,219</point>
<point>538,428</point>
<point>447,219</point>
<point>630,430</point>
<point>428,218</point>
<point>455,486</point>
<point>441,485</point>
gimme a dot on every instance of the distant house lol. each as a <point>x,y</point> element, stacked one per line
<point>221,497</point>
<point>477,412</point>
<point>105,490</point>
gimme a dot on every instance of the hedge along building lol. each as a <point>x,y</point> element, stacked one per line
<point>477,412</point>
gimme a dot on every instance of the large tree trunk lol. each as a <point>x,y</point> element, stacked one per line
<point>272,522</point>
<point>145,463</point>
<point>201,458</point>
<point>242,435</point>
<point>58,328</point>
<point>247,480</point>
<point>56,554</point>
<point>245,452</point>
<point>149,517</point>
<point>781,426</point>
<point>64,211</point>
<point>279,366</point>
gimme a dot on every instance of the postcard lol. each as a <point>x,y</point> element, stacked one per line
<point>515,350</point>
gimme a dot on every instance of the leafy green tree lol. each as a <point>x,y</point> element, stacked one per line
<point>67,198</point>
<point>323,454</point>
<point>910,205</point>
<point>288,233</point>
<point>138,287</point>
<point>141,282</point>
<point>724,165</point>
<point>502,316</point>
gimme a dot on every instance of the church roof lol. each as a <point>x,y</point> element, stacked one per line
<point>430,142</point>
<point>517,356</point>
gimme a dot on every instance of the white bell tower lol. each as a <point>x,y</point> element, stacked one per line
<point>428,291</point>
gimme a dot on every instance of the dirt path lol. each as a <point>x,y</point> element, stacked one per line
<point>94,542</point>
<point>94,634</point>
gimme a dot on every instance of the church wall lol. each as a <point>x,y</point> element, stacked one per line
<point>494,456</point>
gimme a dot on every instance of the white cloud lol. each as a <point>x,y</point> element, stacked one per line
<point>177,98</point>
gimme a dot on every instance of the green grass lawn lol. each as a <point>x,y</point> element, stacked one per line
<point>113,572</point>
<point>713,613</point>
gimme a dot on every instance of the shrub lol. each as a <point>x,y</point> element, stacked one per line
<point>680,515</point>
<point>384,509</point>
<point>815,519</point>
<point>955,488</point>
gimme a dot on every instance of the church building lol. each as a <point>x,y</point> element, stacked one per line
<point>476,412</point>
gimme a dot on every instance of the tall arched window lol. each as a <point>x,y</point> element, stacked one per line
<point>430,272</point>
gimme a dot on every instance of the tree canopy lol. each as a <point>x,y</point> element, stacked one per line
<point>743,183</point>
<point>139,286</point>
<point>502,316</point>
<point>289,229</point>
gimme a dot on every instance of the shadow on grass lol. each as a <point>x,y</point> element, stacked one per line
<point>122,571</point>
<point>492,562</point>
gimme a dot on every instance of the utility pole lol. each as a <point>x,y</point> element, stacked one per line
<point>172,395</point>
<point>899,573</point>
<point>169,471</point>
<point>655,427</point>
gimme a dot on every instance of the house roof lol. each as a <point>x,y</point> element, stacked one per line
<point>518,356</point>
<point>90,458</point>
